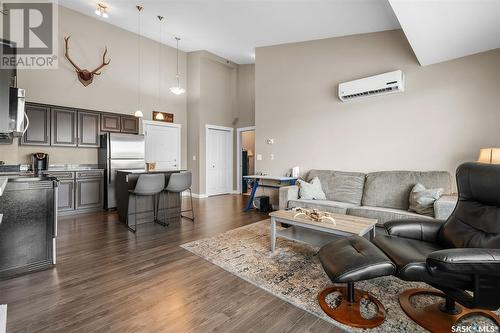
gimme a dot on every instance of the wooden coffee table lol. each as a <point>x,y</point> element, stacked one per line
<point>319,233</point>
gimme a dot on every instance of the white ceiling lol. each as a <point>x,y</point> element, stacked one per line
<point>232,29</point>
<point>441,30</point>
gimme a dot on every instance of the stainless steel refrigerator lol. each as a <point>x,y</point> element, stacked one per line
<point>119,152</point>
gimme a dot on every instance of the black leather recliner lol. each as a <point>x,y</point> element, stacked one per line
<point>457,256</point>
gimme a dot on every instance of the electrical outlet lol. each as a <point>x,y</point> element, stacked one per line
<point>259,157</point>
<point>272,157</point>
<point>194,157</point>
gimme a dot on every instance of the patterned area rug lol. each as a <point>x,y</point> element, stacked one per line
<point>293,273</point>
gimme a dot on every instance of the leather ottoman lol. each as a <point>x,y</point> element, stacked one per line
<point>349,260</point>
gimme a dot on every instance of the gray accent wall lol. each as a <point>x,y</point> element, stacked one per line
<point>448,111</point>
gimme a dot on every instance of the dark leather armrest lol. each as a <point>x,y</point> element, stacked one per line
<point>424,230</point>
<point>465,261</point>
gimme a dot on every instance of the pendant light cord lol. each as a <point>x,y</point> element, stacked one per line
<point>177,75</point>
<point>139,9</point>
<point>160,18</point>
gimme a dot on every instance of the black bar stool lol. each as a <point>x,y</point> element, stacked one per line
<point>147,185</point>
<point>178,183</point>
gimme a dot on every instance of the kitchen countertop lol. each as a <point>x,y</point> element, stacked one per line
<point>144,171</point>
<point>71,169</point>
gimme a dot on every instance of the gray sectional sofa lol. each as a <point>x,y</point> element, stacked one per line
<point>381,195</point>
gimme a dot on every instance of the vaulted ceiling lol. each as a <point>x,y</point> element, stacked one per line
<point>437,30</point>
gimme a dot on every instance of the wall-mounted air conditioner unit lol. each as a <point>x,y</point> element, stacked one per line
<point>376,85</point>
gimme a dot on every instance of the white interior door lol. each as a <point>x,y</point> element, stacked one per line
<point>219,158</point>
<point>163,145</point>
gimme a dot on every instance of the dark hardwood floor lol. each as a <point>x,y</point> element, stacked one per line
<point>110,280</point>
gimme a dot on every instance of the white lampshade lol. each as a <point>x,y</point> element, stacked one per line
<point>489,155</point>
<point>138,114</point>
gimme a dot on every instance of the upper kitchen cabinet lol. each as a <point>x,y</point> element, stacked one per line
<point>110,123</point>
<point>116,123</point>
<point>129,125</point>
<point>88,129</point>
<point>38,133</point>
<point>63,127</point>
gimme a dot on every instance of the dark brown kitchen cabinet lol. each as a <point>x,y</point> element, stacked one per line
<point>110,123</point>
<point>129,125</point>
<point>63,127</point>
<point>88,129</point>
<point>38,132</point>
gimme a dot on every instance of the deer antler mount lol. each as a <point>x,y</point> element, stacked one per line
<point>84,75</point>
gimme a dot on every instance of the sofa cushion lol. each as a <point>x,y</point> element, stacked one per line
<point>422,199</point>
<point>323,205</point>
<point>341,186</point>
<point>383,214</point>
<point>311,190</point>
<point>391,189</point>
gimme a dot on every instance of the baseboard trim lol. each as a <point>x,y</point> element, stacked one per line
<point>195,195</point>
<point>203,195</point>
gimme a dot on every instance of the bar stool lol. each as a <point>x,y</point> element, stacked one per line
<point>147,185</point>
<point>178,183</point>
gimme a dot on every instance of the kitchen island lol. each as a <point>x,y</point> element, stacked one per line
<point>169,204</point>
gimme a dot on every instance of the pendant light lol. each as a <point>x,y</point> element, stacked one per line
<point>139,113</point>
<point>177,89</point>
<point>159,115</point>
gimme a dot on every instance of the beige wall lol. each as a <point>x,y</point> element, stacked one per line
<point>114,91</point>
<point>245,96</point>
<point>446,114</point>
<point>212,102</point>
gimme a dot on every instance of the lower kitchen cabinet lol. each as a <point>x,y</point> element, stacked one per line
<point>89,193</point>
<point>80,191</point>
<point>66,196</point>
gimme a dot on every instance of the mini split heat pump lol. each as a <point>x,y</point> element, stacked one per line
<point>382,84</point>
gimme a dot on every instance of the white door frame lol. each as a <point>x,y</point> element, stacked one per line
<point>164,124</point>
<point>238,155</point>
<point>220,128</point>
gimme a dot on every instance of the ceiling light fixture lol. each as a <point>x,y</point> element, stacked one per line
<point>139,113</point>
<point>102,10</point>
<point>177,89</point>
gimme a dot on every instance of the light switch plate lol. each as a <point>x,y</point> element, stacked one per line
<point>194,157</point>
<point>272,157</point>
<point>259,157</point>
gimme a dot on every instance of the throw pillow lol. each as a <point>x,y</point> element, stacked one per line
<point>312,190</point>
<point>422,199</point>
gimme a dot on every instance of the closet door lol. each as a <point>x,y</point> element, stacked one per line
<point>219,159</point>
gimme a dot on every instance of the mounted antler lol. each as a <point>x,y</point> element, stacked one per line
<point>85,76</point>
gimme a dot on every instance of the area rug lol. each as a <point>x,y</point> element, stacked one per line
<point>293,273</point>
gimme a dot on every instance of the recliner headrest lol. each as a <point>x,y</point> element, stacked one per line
<point>479,182</point>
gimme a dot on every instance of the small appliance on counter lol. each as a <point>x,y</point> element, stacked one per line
<point>39,162</point>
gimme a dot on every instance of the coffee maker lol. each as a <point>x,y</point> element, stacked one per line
<point>39,162</point>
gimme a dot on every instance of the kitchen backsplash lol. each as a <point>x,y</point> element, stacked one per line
<point>15,154</point>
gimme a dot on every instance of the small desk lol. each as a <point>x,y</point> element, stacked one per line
<point>255,179</point>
